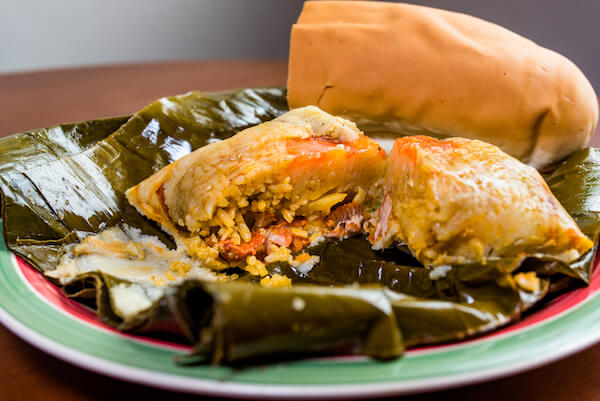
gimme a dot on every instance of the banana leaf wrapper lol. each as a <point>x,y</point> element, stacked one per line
<point>576,184</point>
<point>63,183</point>
<point>236,322</point>
<point>240,322</point>
<point>231,322</point>
<point>465,301</point>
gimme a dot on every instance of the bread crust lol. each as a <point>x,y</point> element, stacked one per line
<point>410,69</point>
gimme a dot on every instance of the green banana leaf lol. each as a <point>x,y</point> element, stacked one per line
<point>354,261</point>
<point>63,183</point>
<point>30,227</point>
<point>576,185</point>
<point>465,301</point>
<point>427,310</point>
<point>246,321</point>
<point>239,321</point>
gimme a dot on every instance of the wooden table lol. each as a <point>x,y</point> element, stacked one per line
<point>38,99</point>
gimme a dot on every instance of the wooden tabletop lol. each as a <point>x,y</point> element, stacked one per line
<point>33,100</point>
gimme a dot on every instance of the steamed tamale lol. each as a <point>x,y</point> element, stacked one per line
<point>267,192</point>
<point>458,201</point>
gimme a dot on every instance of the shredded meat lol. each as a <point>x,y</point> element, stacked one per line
<point>345,221</point>
<point>385,212</point>
<point>299,222</point>
<point>235,253</point>
<point>279,234</point>
<point>299,243</point>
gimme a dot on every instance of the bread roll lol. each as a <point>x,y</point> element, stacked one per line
<point>409,69</point>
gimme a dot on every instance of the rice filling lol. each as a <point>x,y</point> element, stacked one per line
<point>265,194</point>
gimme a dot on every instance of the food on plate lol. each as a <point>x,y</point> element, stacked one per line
<point>335,295</point>
<point>266,193</point>
<point>458,201</point>
<point>249,230</point>
<point>416,70</point>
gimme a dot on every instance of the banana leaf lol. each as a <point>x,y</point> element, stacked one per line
<point>237,322</point>
<point>247,321</point>
<point>229,322</point>
<point>576,185</point>
<point>28,221</point>
<point>354,261</point>
<point>63,183</point>
<point>262,320</point>
<point>465,301</point>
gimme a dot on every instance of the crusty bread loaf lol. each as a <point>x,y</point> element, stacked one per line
<point>403,68</point>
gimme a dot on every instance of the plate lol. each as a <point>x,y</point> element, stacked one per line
<point>37,311</point>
